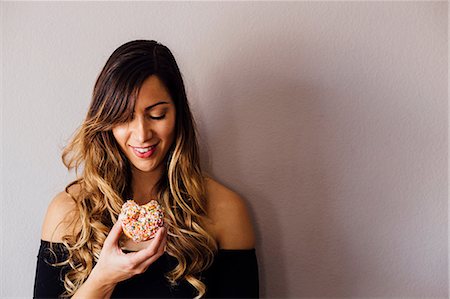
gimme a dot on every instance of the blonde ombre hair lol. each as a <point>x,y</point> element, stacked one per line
<point>105,180</point>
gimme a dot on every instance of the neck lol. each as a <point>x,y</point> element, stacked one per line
<point>143,184</point>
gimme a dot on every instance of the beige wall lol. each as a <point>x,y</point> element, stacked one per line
<point>329,118</point>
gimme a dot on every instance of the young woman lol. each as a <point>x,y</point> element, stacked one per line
<point>138,141</point>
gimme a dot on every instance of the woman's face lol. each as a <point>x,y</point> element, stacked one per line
<point>152,124</point>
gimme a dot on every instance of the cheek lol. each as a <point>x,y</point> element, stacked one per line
<point>120,134</point>
<point>168,130</point>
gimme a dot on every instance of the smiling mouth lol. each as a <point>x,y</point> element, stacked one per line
<point>142,149</point>
<point>144,153</point>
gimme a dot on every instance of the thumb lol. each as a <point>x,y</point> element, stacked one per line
<point>113,237</point>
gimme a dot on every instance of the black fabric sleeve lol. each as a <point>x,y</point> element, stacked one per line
<point>233,275</point>
<point>48,281</point>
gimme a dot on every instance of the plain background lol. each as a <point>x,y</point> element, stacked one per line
<point>328,118</point>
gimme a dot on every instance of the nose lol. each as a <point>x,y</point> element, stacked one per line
<point>141,130</point>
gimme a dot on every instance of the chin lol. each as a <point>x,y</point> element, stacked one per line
<point>144,169</point>
<point>147,168</point>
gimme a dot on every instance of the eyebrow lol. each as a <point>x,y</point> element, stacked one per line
<point>151,106</point>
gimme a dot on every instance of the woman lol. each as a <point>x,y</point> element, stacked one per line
<point>139,142</point>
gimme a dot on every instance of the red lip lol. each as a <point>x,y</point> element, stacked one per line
<point>144,155</point>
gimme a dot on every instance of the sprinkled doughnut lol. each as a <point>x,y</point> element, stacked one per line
<point>141,223</point>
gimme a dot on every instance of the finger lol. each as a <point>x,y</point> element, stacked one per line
<point>114,235</point>
<point>151,250</point>
<point>162,247</point>
<point>160,252</point>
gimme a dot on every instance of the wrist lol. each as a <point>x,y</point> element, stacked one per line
<point>100,281</point>
<point>95,287</point>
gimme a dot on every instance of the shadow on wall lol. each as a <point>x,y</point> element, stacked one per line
<point>265,113</point>
<point>274,120</point>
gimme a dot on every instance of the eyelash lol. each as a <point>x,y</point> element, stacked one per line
<point>155,118</point>
<point>158,118</point>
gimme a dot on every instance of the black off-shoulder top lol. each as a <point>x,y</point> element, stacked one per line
<point>233,274</point>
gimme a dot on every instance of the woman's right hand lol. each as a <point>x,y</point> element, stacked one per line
<point>114,265</point>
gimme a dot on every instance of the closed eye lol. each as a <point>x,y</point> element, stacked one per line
<point>158,117</point>
<point>152,117</point>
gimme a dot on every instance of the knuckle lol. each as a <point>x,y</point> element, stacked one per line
<point>131,267</point>
<point>140,270</point>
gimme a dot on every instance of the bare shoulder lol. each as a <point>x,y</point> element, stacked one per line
<point>229,212</point>
<point>61,217</point>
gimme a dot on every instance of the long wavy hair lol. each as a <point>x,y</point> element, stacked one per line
<point>105,178</point>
